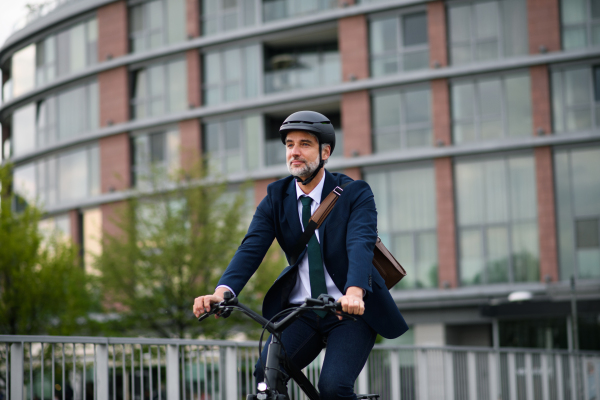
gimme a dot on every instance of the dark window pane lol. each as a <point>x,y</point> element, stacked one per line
<point>587,233</point>
<point>157,147</point>
<point>597,83</point>
<point>414,29</point>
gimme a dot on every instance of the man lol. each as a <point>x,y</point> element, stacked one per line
<point>337,260</point>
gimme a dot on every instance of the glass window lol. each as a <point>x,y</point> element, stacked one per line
<point>301,67</point>
<point>76,49</point>
<point>70,175</point>
<point>232,144</point>
<point>231,74</point>
<point>64,115</point>
<point>279,9</point>
<point>156,157</point>
<point>156,23</point>
<point>45,67</point>
<point>578,211</point>
<point>491,107</point>
<point>228,15</point>
<point>497,220</point>
<point>487,30</point>
<point>24,182</point>
<point>576,98</point>
<point>159,88</point>
<point>580,23</point>
<point>406,219</point>
<point>78,173</point>
<point>23,70</point>
<point>401,118</point>
<point>398,43</point>
<point>23,129</point>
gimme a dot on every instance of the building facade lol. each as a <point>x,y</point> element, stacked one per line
<point>476,123</point>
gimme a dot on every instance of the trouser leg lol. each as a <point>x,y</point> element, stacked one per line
<point>348,346</point>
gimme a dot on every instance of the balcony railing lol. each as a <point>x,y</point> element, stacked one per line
<point>103,368</point>
<point>306,75</point>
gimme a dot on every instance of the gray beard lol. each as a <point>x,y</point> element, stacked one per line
<point>305,170</point>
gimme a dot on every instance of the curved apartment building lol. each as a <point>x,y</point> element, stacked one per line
<point>476,123</point>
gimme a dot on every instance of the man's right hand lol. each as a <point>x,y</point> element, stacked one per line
<point>202,303</point>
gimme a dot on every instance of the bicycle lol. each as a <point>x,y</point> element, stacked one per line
<point>275,385</point>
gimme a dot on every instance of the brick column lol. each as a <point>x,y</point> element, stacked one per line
<point>115,163</point>
<point>540,100</point>
<point>75,227</point>
<point>354,173</point>
<point>192,18</point>
<point>114,96</point>
<point>260,189</point>
<point>190,132</point>
<point>194,78</point>
<point>112,213</point>
<point>436,32</point>
<point>547,232</point>
<point>356,123</point>
<point>446,223</point>
<point>113,36</point>
<point>543,25</point>
<point>354,47</point>
<point>440,110</point>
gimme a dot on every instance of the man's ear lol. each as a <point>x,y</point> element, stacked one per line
<point>326,153</point>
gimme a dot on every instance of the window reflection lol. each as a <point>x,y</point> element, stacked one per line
<point>230,74</point>
<point>576,98</point>
<point>159,88</point>
<point>233,144</point>
<point>67,114</point>
<point>156,157</point>
<point>228,15</point>
<point>401,118</point>
<point>398,43</point>
<point>406,219</point>
<point>497,220</point>
<point>70,175</point>
<point>279,9</point>
<point>23,70</point>
<point>578,211</point>
<point>291,68</point>
<point>491,107</point>
<point>580,23</point>
<point>487,30</point>
<point>156,23</point>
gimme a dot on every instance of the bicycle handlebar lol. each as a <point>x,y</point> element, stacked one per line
<point>230,303</point>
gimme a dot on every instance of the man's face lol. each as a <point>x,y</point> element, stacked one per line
<point>302,153</point>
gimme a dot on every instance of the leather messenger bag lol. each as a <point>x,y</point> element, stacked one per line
<point>386,264</point>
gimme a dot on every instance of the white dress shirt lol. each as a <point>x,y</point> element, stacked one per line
<point>301,289</point>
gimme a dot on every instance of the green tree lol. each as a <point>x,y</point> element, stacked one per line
<point>169,248</point>
<point>43,289</point>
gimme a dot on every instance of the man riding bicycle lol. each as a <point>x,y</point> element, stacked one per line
<point>336,261</point>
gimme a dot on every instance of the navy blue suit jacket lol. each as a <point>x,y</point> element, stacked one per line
<point>348,238</point>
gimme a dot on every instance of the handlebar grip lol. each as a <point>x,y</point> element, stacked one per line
<point>204,316</point>
<point>338,306</point>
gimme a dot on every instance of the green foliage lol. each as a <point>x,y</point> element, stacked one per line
<point>170,248</point>
<point>43,289</point>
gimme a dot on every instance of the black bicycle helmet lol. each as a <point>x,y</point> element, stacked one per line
<point>312,122</point>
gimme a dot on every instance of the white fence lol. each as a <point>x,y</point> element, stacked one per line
<point>97,368</point>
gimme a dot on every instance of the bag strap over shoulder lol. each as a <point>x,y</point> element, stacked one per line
<point>316,220</point>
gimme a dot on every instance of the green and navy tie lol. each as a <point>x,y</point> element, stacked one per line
<point>315,261</point>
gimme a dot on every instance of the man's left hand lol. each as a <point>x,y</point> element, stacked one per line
<point>352,302</point>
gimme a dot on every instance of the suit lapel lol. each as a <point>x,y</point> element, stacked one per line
<point>328,186</point>
<point>291,210</point>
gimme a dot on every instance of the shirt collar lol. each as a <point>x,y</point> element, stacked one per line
<point>316,193</point>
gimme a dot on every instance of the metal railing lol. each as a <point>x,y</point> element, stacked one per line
<point>98,368</point>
